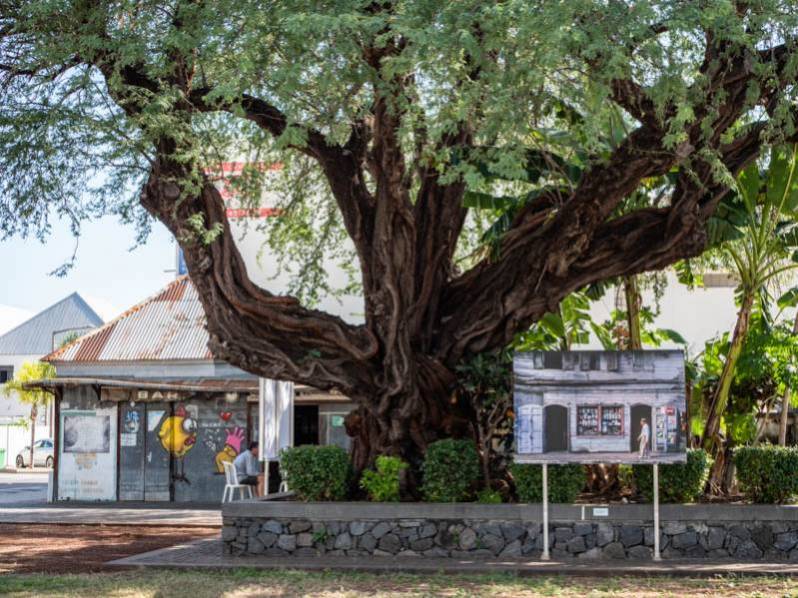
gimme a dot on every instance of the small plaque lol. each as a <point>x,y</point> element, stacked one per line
<point>601,512</point>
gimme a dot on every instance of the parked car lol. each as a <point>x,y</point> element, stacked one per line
<point>42,454</point>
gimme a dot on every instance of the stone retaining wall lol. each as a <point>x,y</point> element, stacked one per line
<point>489,539</point>
<point>300,533</point>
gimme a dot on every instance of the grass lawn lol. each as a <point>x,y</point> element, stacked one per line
<point>247,582</point>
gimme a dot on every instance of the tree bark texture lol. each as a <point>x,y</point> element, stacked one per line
<point>423,316</point>
<point>633,304</point>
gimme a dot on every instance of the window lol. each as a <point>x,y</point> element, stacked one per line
<point>6,373</point>
<point>599,420</point>
<point>587,420</point>
<point>612,420</point>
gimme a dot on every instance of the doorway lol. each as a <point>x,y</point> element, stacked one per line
<point>555,426</point>
<point>144,468</point>
<point>639,412</point>
<point>306,424</point>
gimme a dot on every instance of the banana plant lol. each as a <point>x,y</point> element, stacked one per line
<point>761,240</point>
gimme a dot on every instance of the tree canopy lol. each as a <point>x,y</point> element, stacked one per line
<point>390,111</point>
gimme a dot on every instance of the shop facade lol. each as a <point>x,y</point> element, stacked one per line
<point>583,403</point>
<point>143,412</point>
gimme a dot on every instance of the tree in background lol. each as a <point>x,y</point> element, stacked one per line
<point>37,398</point>
<point>763,218</point>
<point>391,109</point>
<point>789,299</point>
<point>485,383</point>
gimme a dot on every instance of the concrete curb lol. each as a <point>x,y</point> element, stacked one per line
<point>206,554</point>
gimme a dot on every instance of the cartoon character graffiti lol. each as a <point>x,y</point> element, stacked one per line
<point>178,435</point>
<point>232,446</point>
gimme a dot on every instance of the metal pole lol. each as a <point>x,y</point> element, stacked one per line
<point>657,556</point>
<point>545,556</point>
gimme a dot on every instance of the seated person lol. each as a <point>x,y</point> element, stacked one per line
<point>248,467</point>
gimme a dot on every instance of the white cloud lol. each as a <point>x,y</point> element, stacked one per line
<point>11,317</point>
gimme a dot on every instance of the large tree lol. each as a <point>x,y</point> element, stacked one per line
<point>399,107</point>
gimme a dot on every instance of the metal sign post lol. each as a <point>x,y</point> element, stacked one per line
<point>545,556</point>
<point>656,513</point>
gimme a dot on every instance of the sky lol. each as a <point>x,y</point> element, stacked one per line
<point>107,273</point>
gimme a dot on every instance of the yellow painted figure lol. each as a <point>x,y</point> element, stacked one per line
<point>232,447</point>
<point>178,435</point>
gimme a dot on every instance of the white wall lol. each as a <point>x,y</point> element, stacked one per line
<point>262,267</point>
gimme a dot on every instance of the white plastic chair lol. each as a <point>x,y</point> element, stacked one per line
<point>231,484</point>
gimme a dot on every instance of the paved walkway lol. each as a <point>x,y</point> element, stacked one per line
<point>207,553</point>
<point>127,514</point>
<point>23,487</point>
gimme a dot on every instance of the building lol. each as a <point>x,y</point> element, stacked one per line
<point>29,341</point>
<point>589,406</point>
<point>145,413</point>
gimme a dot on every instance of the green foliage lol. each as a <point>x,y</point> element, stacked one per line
<point>767,474</point>
<point>316,472</point>
<point>766,367</point>
<point>485,382</point>
<point>565,482</point>
<point>450,471</point>
<point>382,485</point>
<point>678,482</point>
<point>569,325</point>
<point>489,497</point>
<point>612,331</point>
<point>543,90</point>
<point>30,371</point>
<point>69,339</point>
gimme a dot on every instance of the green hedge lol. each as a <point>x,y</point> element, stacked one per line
<point>316,472</point>
<point>565,482</point>
<point>450,471</point>
<point>767,474</point>
<point>678,482</point>
<point>382,483</point>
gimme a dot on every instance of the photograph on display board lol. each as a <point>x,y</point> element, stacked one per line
<point>87,433</point>
<point>600,407</point>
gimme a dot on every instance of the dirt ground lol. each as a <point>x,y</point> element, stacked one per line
<point>26,548</point>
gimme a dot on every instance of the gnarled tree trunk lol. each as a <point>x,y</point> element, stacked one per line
<point>422,315</point>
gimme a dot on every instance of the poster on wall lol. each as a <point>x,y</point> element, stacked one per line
<point>600,407</point>
<point>87,433</point>
<point>88,454</point>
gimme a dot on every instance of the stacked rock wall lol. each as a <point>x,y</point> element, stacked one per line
<point>508,539</point>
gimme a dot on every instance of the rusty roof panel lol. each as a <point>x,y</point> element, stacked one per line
<point>168,326</point>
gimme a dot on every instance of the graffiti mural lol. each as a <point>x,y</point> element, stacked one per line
<point>232,447</point>
<point>178,435</point>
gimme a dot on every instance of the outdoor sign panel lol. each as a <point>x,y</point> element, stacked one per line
<point>600,407</point>
<point>87,459</point>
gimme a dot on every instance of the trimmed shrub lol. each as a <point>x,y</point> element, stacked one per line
<point>316,472</point>
<point>489,497</point>
<point>767,474</point>
<point>565,482</point>
<point>382,485</point>
<point>450,470</point>
<point>678,482</point>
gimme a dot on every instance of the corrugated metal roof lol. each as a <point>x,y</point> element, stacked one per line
<point>168,326</point>
<point>43,332</point>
